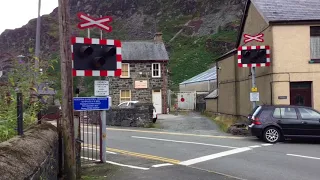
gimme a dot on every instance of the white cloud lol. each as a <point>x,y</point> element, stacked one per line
<point>16,13</point>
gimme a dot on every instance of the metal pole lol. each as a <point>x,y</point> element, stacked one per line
<point>103,146</point>
<point>19,114</point>
<point>88,29</point>
<point>253,74</point>
<point>101,35</point>
<point>37,50</point>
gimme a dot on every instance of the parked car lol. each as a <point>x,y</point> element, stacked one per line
<point>274,123</point>
<point>128,104</point>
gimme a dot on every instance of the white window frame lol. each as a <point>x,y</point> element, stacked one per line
<point>124,97</point>
<point>128,71</point>
<point>159,65</point>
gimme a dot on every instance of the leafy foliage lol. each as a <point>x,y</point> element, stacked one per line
<point>21,79</point>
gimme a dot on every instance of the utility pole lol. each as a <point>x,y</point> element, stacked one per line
<point>38,32</point>
<point>67,123</point>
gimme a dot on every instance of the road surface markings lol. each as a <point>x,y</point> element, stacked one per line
<point>173,133</point>
<point>256,146</point>
<point>185,142</point>
<point>90,159</point>
<point>214,156</point>
<point>266,144</point>
<point>109,152</point>
<point>146,156</point>
<point>129,166</point>
<point>308,157</point>
<point>162,165</point>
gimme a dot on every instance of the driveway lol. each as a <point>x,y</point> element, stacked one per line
<point>189,122</point>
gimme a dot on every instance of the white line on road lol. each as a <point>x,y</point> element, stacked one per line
<point>266,144</point>
<point>185,142</point>
<point>129,166</point>
<point>256,146</point>
<point>214,156</point>
<point>109,152</point>
<point>90,159</point>
<point>118,164</point>
<point>161,165</point>
<point>308,157</point>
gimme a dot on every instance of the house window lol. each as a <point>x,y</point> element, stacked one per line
<point>125,72</point>
<point>315,42</point>
<point>156,71</point>
<point>125,95</point>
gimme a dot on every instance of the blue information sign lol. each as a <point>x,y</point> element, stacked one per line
<point>91,103</point>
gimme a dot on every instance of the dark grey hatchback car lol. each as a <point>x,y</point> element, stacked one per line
<point>273,123</point>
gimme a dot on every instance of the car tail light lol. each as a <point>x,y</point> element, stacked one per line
<point>256,121</point>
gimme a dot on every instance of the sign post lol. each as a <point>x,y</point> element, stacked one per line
<point>253,74</point>
<point>96,57</point>
<point>101,88</point>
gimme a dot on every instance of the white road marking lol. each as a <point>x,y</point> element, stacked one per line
<point>129,166</point>
<point>256,146</point>
<point>308,157</point>
<point>161,165</point>
<point>266,144</point>
<point>118,164</point>
<point>109,152</point>
<point>90,159</point>
<point>214,156</point>
<point>185,142</point>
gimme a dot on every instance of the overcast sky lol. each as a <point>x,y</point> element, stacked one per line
<point>16,13</point>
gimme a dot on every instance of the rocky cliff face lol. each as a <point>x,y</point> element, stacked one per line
<point>199,21</point>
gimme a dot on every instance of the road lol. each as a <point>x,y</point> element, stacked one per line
<point>230,156</point>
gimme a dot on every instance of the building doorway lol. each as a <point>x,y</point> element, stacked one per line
<point>157,100</point>
<point>300,94</point>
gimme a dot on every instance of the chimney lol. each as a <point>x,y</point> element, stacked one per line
<point>158,37</point>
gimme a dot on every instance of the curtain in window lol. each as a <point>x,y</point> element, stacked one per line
<point>315,47</point>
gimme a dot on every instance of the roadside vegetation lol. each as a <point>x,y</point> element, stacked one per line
<point>224,122</point>
<point>20,79</point>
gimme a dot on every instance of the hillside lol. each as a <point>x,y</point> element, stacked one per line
<point>205,29</point>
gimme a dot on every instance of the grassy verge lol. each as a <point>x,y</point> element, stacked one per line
<point>223,121</point>
<point>99,172</point>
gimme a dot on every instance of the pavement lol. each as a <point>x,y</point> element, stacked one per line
<point>201,151</point>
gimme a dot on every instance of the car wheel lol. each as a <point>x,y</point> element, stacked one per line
<point>271,135</point>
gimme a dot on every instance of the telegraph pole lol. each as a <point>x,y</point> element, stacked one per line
<point>67,123</point>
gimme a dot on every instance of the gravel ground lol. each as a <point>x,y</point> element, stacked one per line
<point>190,122</point>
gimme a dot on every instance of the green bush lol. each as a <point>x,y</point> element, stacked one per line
<point>21,79</point>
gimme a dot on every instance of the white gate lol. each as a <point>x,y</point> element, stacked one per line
<point>186,100</point>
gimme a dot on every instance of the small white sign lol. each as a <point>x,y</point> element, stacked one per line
<point>101,88</point>
<point>254,96</point>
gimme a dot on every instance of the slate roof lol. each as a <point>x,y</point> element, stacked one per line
<point>209,75</point>
<point>288,10</point>
<point>144,50</point>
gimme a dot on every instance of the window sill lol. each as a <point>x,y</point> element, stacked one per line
<point>314,61</point>
<point>125,77</point>
<point>156,76</point>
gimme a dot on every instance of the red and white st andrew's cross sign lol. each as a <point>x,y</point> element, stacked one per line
<point>249,38</point>
<point>90,22</point>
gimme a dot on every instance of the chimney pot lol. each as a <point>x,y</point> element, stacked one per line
<point>158,37</point>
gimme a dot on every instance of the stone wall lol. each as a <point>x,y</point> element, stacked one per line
<point>117,84</point>
<point>138,116</point>
<point>32,156</point>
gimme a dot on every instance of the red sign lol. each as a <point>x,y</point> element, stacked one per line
<point>90,22</point>
<point>182,99</point>
<point>248,38</point>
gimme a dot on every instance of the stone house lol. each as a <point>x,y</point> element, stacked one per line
<point>291,29</point>
<point>144,74</point>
